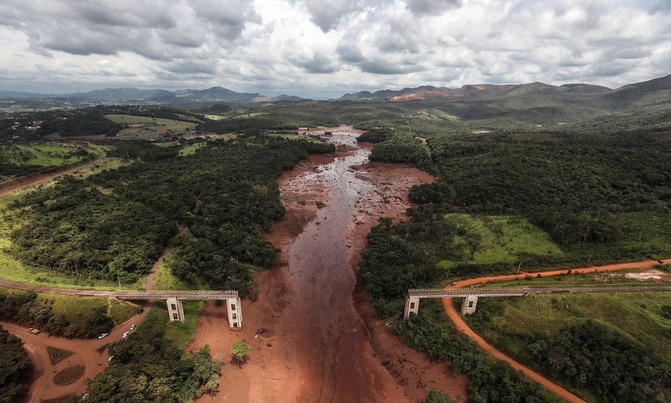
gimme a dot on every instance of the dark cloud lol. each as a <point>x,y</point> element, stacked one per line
<point>228,18</point>
<point>387,67</point>
<point>155,31</point>
<point>319,64</point>
<point>431,7</point>
<point>124,13</point>
<point>328,15</point>
<point>11,15</point>
<point>349,52</point>
<point>191,67</point>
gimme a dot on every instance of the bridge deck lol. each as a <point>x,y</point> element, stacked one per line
<point>511,292</point>
<point>188,295</point>
<point>140,295</point>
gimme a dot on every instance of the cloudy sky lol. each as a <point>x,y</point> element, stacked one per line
<point>324,48</point>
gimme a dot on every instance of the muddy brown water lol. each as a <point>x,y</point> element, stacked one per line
<point>330,340</point>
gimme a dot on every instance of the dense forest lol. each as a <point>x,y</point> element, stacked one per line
<point>149,368</point>
<point>14,368</point>
<point>601,196</point>
<point>213,204</point>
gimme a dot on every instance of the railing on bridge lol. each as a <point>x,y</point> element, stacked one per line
<point>471,295</point>
<point>174,302</point>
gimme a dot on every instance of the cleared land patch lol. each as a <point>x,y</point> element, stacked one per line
<point>497,239</point>
<point>22,159</point>
<point>147,127</point>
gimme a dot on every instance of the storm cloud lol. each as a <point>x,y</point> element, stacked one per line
<point>313,48</point>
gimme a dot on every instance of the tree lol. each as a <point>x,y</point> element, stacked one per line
<point>239,350</point>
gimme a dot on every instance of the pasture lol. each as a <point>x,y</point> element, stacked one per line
<point>486,239</point>
<point>143,127</point>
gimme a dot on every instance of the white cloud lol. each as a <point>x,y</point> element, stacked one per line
<point>308,46</point>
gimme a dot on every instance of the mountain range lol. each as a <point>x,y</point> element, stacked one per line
<point>648,92</point>
<point>154,96</point>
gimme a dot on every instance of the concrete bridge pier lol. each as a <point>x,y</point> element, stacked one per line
<point>469,304</point>
<point>234,309</point>
<point>411,306</point>
<point>175,310</point>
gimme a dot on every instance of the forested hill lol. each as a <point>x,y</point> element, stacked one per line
<point>114,225</point>
<point>627,94</point>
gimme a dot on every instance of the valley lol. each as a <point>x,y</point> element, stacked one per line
<point>323,235</point>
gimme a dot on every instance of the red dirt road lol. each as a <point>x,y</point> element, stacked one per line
<point>459,322</point>
<point>84,353</point>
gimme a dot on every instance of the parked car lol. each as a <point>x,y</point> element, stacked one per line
<point>125,334</point>
<point>103,335</point>
<point>132,327</point>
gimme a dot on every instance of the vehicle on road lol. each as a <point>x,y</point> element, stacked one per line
<point>132,327</point>
<point>125,334</point>
<point>103,335</point>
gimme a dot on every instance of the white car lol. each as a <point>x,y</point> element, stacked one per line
<point>132,327</point>
<point>125,334</point>
<point>103,335</point>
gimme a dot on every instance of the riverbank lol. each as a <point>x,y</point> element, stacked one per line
<point>312,334</point>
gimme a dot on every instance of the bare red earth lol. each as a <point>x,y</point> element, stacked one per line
<point>313,336</point>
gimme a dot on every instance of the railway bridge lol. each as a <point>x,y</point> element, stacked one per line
<point>471,295</point>
<point>173,298</point>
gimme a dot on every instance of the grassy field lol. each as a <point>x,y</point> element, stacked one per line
<point>146,127</point>
<point>45,155</point>
<point>165,280</point>
<point>191,149</point>
<point>638,315</point>
<point>121,311</point>
<point>180,333</point>
<point>34,156</point>
<point>498,239</point>
<point>75,309</point>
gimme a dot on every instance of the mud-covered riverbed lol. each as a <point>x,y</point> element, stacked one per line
<point>310,343</point>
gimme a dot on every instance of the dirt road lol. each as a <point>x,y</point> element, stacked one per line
<point>85,353</point>
<point>36,179</point>
<point>459,322</point>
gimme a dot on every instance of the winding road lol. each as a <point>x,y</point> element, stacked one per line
<point>459,322</point>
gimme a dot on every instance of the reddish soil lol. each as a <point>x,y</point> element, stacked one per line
<point>85,353</point>
<point>20,183</point>
<point>459,322</point>
<point>312,333</point>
